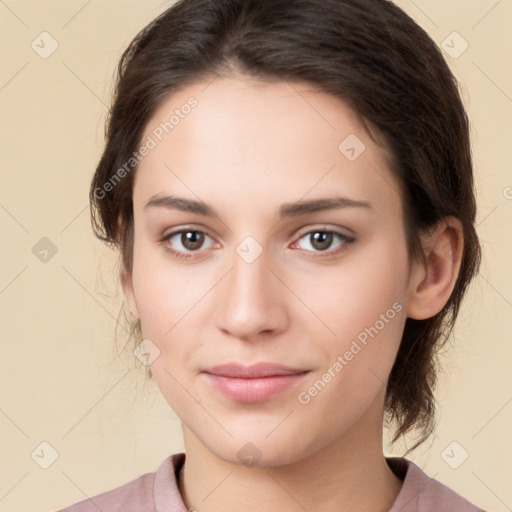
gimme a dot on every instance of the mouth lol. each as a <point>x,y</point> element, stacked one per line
<point>255,383</point>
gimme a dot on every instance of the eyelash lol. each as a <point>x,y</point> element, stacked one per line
<point>347,240</point>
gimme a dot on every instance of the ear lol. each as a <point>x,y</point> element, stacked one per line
<point>127,284</point>
<point>432,282</point>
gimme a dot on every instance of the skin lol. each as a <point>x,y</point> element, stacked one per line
<point>245,149</point>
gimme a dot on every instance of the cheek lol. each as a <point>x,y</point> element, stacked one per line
<point>168,297</point>
<point>368,317</point>
<point>352,296</point>
<point>164,290</point>
<point>363,303</point>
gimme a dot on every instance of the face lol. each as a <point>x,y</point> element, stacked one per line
<point>319,287</point>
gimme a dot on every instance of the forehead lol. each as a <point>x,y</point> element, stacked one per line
<point>246,139</point>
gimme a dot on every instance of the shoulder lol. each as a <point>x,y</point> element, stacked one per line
<point>141,494</point>
<point>422,493</point>
<point>133,496</point>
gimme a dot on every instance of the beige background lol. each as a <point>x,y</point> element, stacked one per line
<point>61,380</point>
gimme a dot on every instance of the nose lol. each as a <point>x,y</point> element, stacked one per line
<point>251,300</point>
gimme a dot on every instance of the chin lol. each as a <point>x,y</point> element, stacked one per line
<point>251,448</point>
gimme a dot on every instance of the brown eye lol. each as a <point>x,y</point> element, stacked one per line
<point>186,242</point>
<point>321,241</point>
<point>192,240</point>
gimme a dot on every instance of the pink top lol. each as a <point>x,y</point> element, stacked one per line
<point>158,492</point>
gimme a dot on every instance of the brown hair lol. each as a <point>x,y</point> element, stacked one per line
<point>371,55</point>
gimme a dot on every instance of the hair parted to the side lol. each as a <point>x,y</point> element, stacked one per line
<point>371,55</point>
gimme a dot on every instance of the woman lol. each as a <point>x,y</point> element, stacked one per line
<point>290,187</point>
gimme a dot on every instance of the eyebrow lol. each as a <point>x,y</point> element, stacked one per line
<point>293,209</point>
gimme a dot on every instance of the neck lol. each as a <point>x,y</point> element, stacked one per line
<point>348,474</point>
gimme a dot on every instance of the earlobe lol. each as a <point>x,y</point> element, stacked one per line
<point>127,285</point>
<point>436,278</point>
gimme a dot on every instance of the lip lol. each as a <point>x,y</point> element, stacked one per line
<point>253,371</point>
<point>255,383</point>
